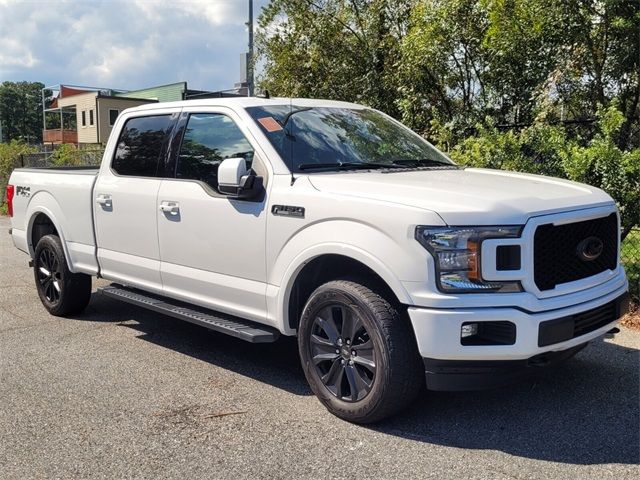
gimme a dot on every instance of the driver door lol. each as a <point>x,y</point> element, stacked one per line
<point>212,248</point>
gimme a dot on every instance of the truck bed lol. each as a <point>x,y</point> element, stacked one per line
<point>65,195</point>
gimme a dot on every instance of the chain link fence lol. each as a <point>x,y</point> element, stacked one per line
<point>630,253</point>
<point>78,157</point>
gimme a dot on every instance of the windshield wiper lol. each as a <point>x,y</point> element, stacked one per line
<point>422,162</point>
<point>347,165</point>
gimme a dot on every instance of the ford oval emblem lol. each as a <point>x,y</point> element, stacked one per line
<point>589,249</point>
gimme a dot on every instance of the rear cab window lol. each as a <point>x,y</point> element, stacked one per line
<point>141,145</point>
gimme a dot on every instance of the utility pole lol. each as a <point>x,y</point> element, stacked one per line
<point>250,56</point>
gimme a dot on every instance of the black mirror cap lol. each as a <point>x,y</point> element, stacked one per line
<point>251,188</point>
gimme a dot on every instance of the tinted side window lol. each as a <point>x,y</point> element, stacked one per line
<point>140,145</point>
<point>209,139</point>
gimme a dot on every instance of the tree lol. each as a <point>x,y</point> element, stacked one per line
<point>344,49</point>
<point>21,111</point>
<point>442,66</point>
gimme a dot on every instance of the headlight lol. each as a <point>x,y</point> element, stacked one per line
<point>456,251</point>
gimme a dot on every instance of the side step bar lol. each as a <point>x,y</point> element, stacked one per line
<point>220,322</point>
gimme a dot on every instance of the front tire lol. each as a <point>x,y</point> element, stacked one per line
<point>358,353</point>
<point>62,292</point>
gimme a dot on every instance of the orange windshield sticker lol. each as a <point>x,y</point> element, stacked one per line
<point>270,124</point>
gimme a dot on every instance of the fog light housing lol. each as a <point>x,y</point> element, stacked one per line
<point>488,333</point>
<point>468,329</point>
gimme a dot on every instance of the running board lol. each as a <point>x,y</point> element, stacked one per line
<point>220,322</point>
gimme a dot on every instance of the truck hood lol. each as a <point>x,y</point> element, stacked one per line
<point>466,196</point>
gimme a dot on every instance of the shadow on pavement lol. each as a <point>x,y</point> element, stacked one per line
<point>276,363</point>
<point>586,412</point>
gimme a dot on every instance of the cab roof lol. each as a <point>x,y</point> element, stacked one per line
<point>246,102</point>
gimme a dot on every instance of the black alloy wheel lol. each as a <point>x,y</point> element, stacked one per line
<point>62,292</point>
<point>49,275</point>
<point>358,351</point>
<point>343,353</point>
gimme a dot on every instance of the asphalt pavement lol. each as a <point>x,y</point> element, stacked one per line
<point>119,392</point>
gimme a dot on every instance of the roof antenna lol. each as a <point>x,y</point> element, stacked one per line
<point>264,94</point>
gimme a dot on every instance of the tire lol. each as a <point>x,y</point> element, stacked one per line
<point>61,292</point>
<point>358,353</point>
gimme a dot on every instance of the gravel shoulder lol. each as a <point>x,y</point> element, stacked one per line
<point>119,392</point>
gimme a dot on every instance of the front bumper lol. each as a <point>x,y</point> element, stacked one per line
<point>451,365</point>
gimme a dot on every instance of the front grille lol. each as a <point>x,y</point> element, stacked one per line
<point>566,328</point>
<point>556,251</point>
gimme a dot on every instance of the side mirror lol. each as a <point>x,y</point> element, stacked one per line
<point>236,182</point>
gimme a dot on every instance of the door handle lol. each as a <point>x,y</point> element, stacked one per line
<point>103,199</point>
<point>172,208</point>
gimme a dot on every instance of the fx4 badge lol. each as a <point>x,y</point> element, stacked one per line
<point>23,191</point>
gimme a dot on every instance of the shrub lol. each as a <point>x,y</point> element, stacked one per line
<point>9,159</point>
<point>548,150</point>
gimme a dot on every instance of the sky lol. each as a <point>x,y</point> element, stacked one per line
<point>124,44</point>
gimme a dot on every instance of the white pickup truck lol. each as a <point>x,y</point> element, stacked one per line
<point>332,222</point>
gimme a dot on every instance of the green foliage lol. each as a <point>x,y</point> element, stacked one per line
<point>10,154</point>
<point>602,163</point>
<point>21,111</point>
<point>630,254</point>
<point>549,150</point>
<point>333,49</point>
<point>66,154</point>
<point>540,86</point>
<point>460,62</point>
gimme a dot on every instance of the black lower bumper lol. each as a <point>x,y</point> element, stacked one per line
<point>456,375</point>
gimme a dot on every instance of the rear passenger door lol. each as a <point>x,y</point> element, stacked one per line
<point>212,248</point>
<point>125,200</point>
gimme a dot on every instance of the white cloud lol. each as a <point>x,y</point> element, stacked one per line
<point>123,44</point>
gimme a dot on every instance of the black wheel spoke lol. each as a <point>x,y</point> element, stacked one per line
<point>333,377</point>
<point>48,291</point>
<point>321,342</point>
<point>365,355</point>
<point>324,357</point>
<point>328,325</point>
<point>350,324</point>
<point>357,384</point>
<point>365,363</point>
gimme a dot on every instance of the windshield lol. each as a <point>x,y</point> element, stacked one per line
<point>327,138</point>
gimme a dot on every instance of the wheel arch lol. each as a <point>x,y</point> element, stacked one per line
<point>326,262</point>
<point>43,221</point>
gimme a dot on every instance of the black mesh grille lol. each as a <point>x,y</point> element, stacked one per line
<point>556,258</point>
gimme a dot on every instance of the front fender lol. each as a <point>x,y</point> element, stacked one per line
<point>391,258</point>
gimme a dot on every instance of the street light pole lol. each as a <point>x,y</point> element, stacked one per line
<point>250,56</point>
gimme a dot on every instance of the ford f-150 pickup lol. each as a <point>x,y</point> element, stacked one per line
<point>329,221</point>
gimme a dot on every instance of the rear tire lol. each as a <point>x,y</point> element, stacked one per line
<point>358,353</point>
<point>62,292</point>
